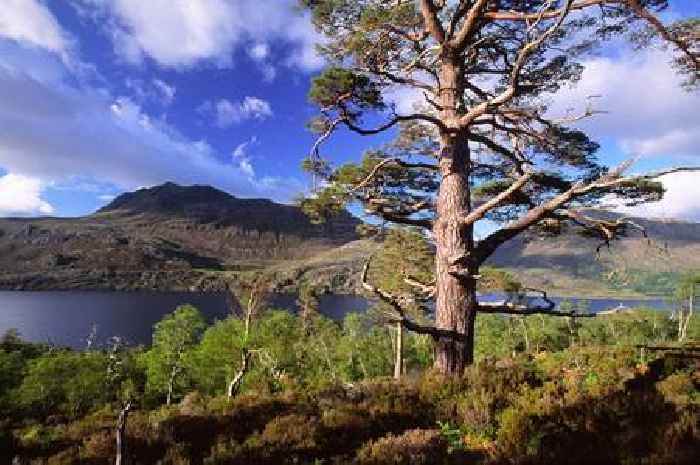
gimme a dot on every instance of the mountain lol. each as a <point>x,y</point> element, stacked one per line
<point>168,236</point>
<point>172,237</point>
<point>569,264</point>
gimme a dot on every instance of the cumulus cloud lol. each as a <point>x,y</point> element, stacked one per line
<point>30,22</point>
<point>21,196</point>
<point>260,54</point>
<point>649,114</point>
<point>177,33</point>
<point>88,133</point>
<point>227,113</point>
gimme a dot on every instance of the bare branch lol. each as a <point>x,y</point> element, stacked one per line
<point>396,119</point>
<point>322,138</point>
<point>523,55</point>
<point>682,45</point>
<point>429,290</point>
<point>408,221</point>
<point>607,230</point>
<point>497,201</point>
<point>512,309</point>
<point>549,14</point>
<point>469,27</point>
<point>399,313</point>
<point>430,10</point>
<point>613,179</point>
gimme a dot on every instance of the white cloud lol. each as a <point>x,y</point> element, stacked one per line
<point>259,51</point>
<point>649,113</point>
<point>681,200</point>
<point>177,33</point>
<point>228,113</point>
<point>241,156</point>
<point>154,90</point>
<point>21,196</point>
<point>241,150</point>
<point>167,92</point>
<point>106,197</point>
<point>87,133</point>
<point>247,167</point>
<point>31,22</point>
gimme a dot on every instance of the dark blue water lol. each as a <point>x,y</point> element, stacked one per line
<point>68,318</point>
<point>599,304</point>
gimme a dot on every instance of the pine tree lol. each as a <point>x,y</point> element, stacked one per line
<point>481,143</point>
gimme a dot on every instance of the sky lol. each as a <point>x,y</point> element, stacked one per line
<point>99,97</point>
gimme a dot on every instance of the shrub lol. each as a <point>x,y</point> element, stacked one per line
<point>414,447</point>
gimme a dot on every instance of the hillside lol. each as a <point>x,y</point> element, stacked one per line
<point>568,264</point>
<point>165,237</point>
<point>172,237</point>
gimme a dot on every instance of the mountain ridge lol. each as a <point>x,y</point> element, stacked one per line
<point>172,237</point>
<point>181,230</point>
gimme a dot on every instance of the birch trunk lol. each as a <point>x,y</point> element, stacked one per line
<point>398,362</point>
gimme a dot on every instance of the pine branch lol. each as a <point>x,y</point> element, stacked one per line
<point>399,313</point>
<point>613,179</point>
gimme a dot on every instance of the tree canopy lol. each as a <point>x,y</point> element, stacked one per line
<point>481,141</point>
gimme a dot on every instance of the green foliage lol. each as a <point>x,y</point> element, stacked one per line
<point>319,393</point>
<point>212,363</point>
<point>65,382</point>
<point>688,285</point>
<point>339,87</point>
<point>173,339</point>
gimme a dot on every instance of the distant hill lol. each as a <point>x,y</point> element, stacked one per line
<point>161,237</point>
<point>568,264</point>
<point>172,237</point>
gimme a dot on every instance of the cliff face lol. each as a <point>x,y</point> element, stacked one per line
<point>169,228</point>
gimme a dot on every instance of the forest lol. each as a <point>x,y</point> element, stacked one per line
<point>268,386</point>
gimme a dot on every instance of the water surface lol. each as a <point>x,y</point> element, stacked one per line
<point>68,318</point>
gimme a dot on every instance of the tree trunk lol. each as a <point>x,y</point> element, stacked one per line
<point>684,322</point>
<point>398,362</point>
<point>171,385</point>
<point>455,306</point>
<point>122,448</point>
<point>235,385</point>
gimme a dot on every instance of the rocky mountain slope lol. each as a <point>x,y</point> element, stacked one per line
<point>179,238</point>
<point>165,237</point>
<point>569,264</point>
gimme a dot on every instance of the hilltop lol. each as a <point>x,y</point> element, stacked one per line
<point>172,237</point>
<point>164,237</point>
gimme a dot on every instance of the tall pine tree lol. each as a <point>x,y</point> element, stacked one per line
<point>481,143</point>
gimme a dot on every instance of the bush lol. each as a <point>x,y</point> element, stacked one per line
<point>414,447</point>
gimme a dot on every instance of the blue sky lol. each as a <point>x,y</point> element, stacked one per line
<point>102,96</point>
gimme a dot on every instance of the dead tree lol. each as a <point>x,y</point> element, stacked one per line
<point>255,293</point>
<point>122,445</point>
